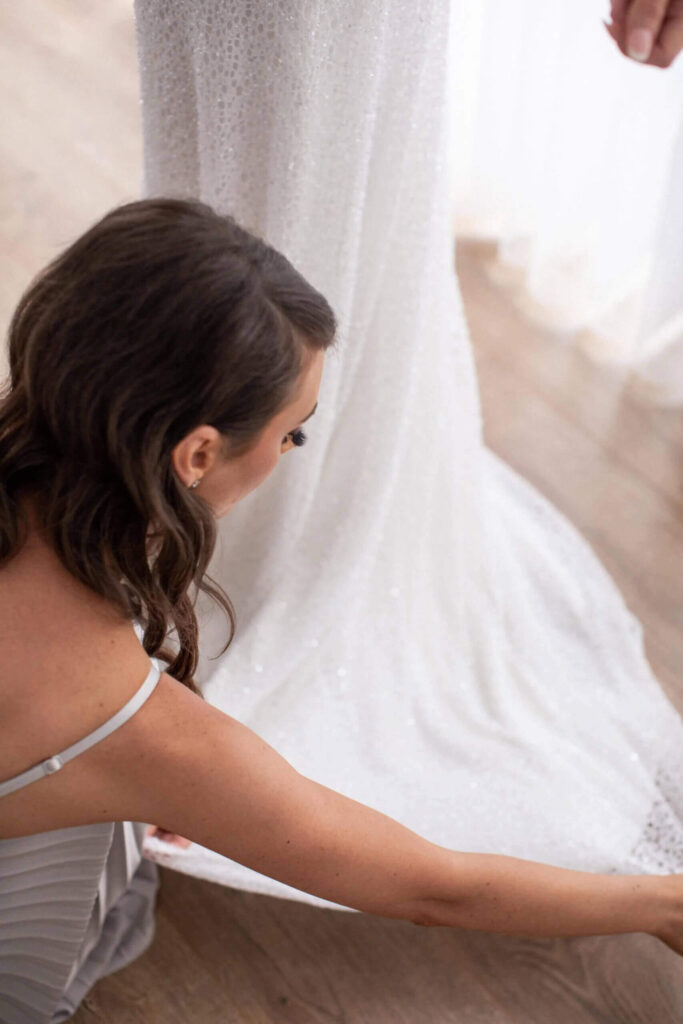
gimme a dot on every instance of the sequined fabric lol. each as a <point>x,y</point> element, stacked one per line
<point>418,627</point>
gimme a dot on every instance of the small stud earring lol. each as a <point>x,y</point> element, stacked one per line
<point>196,483</point>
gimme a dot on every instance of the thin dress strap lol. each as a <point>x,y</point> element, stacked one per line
<point>54,763</point>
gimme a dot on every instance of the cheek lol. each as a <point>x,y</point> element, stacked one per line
<point>253,470</point>
<point>263,464</point>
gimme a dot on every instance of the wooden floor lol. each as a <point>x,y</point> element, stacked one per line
<point>71,149</point>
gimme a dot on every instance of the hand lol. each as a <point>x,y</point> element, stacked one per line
<point>662,18</point>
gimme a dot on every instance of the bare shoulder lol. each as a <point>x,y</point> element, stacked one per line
<point>70,661</point>
<point>177,762</point>
<point>59,648</point>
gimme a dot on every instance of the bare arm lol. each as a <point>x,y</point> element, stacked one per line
<point>207,776</point>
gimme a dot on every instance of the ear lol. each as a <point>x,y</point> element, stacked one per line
<point>196,453</point>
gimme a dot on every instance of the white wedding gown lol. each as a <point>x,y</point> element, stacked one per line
<point>418,627</point>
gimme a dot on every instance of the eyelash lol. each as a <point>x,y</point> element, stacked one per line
<point>298,437</point>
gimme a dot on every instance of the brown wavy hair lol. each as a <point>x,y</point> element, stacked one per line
<point>163,316</point>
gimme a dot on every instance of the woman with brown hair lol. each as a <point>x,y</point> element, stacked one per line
<point>159,368</point>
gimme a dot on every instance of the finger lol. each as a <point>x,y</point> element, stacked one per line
<point>616,36</point>
<point>181,841</point>
<point>643,21</point>
<point>618,9</point>
<point>172,838</point>
<point>669,44</point>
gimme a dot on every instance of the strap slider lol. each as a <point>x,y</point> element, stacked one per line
<point>52,764</point>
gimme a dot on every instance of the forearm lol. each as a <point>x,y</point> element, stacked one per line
<point>379,866</point>
<point>522,897</point>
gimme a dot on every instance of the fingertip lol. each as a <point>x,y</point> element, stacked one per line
<point>640,43</point>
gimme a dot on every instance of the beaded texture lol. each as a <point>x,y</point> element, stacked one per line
<point>417,626</point>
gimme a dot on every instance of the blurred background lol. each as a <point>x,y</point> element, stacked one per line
<point>570,156</point>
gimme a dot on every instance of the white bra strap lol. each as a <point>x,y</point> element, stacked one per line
<point>54,763</point>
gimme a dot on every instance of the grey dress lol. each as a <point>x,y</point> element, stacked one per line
<point>75,903</point>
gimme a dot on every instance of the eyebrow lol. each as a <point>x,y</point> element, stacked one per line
<point>310,413</point>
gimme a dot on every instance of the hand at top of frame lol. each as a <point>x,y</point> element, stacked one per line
<point>632,20</point>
